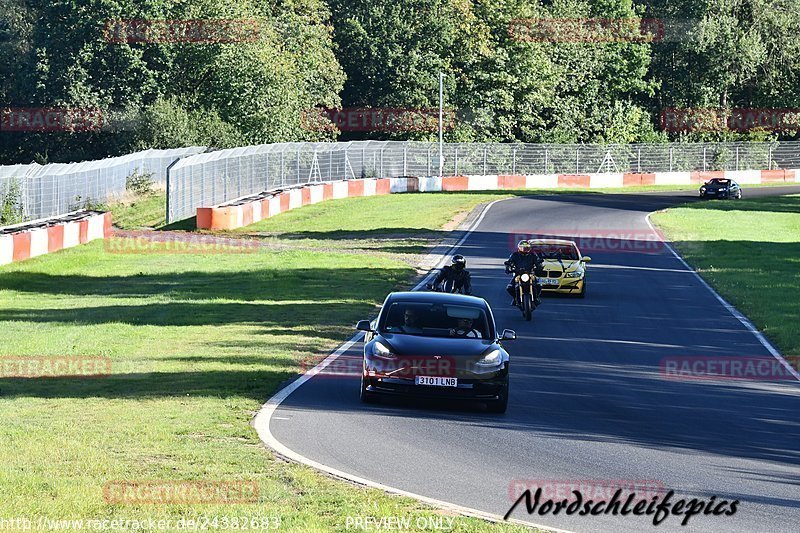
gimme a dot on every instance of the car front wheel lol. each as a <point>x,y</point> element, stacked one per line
<point>500,405</point>
<point>366,396</point>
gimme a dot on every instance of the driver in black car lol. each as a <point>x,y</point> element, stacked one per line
<point>411,322</point>
<point>457,273</point>
<point>524,259</point>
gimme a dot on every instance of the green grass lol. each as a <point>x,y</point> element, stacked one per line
<point>197,343</point>
<point>146,211</point>
<point>749,250</point>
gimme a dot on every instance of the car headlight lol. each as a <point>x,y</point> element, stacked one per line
<point>381,350</point>
<point>724,189</point>
<point>525,277</point>
<point>492,358</point>
<point>702,189</point>
<point>574,274</point>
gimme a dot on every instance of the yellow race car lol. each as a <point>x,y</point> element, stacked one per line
<point>564,268</point>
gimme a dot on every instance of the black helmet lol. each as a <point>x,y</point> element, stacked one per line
<point>459,261</point>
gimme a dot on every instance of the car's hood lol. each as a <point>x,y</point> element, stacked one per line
<point>567,265</point>
<point>412,345</point>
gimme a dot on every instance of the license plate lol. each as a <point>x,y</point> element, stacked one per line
<point>436,381</point>
<point>548,281</point>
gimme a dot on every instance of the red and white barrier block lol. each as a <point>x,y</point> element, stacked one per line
<point>247,210</point>
<point>251,209</point>
<point>33,239</point>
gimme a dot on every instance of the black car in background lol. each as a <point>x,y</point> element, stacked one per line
<point>435,345</point>
<point>721,188</point>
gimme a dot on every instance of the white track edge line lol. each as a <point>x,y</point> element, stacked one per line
<point>264,416</point>
<point>731,309</point>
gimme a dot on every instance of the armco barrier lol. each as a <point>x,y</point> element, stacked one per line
<point>249,209</point>
<point>32,239</point>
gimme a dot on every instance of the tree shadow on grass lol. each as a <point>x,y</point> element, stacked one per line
<point>311,284</point>
<point>190,314</point>
<point>252,384</point>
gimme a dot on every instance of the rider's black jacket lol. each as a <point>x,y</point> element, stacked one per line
<point>529,262</point>
<point>460,276</point>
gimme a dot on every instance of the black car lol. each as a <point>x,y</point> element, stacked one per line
<point>721,188</point>
<point>435,345</point>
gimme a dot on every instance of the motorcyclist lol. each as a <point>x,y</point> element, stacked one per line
<point>457,273</point>
<point>526,260</point>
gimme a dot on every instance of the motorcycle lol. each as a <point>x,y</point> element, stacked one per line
<point>448,285</point>
<point>526,287</point>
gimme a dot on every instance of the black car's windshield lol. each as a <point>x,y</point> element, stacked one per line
<point>556,251</point>
<point>436,320</point>
<point>717,181</point>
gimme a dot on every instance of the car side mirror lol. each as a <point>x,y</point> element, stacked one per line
<point>508,335</point>
<point>364,325</point>
<point>586,259</point>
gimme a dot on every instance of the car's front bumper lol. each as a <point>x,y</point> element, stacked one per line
<point>470,387</point>
<point>565,286</point>
<point>715,194</point>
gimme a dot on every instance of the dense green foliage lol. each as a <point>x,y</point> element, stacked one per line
<point>388,53</point>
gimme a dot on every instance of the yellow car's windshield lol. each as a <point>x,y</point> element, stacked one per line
<point>556,251</point>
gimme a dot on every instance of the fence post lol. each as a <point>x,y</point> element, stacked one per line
<point>283,169</point>
<point>485,149</point>
<point>546,154</point>
<point>670,158</point>
<point>737,157</point>
<point>455,160</point>
<point>405,159</point>
<point>514,160</point>
<point>577,159</point>
<point>429,161</point>
<point>380,174</point>
<point>639,159</point>
<point>769,160</point>
<point>297,180</point>
<point>704,158</point>
<point>167,218</point>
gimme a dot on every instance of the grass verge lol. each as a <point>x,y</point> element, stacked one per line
<point>197,341</point>
<point>749,251</point>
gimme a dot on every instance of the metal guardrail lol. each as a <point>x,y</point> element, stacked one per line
<point>41,191</point>
<point>217,177</point>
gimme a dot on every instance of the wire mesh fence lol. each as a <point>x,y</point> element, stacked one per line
<point>195,177</point>
<point>217,177</point>
<point>29,192</point>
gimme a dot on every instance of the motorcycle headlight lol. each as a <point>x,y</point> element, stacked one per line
<point>525,277</point>
<point>381,350</point>
<point>574,274</point>
<point>492,358</point>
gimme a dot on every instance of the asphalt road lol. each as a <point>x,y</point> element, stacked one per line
<point>588,400</point>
